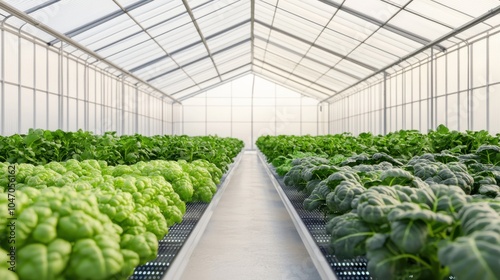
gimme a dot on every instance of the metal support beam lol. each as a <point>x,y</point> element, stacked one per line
<point>161,58</point>
<point>323,63</point>
<point>328,50</point>
<point>49,30</point>
<point>179,67</point>
<point>293,75</point>
<point>101,20</point>
<point>252,29</point>
<point>397,30</point>
<point>41,6</point>
<point>198,29</point>
<point>487,15</point>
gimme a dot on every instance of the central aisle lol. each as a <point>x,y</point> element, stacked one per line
<point>250,235</point>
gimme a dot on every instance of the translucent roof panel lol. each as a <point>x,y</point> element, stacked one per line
<point>158,12</point>
<point>70,15</point>
<point>318,47</point>
<point>164,65</point>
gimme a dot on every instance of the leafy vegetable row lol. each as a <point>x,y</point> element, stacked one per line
<point>43,146</point>
<point>88,220</point>
<point>425,217</point>
<point>403,144</point>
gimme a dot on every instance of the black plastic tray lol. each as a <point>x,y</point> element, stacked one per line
<point>352,269</point>
<point>171,244</point>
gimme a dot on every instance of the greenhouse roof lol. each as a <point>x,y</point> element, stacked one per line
<point>318,47</point>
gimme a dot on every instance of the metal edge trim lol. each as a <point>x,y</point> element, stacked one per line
<point>321,264</point>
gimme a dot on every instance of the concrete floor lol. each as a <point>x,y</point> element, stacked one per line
<point>250,235</point>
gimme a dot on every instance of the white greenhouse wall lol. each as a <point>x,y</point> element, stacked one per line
<point>42,87</point>
<point>459,88</point>
<point>234,110</point>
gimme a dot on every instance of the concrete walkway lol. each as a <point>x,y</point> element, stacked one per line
<point>250,234</point>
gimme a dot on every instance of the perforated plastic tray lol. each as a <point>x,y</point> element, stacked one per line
<point>353,269</point>
<point>171,244</point>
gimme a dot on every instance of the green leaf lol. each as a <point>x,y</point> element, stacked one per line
<point>473,257</point>
<point>409,235</point>
<point>349,235</point>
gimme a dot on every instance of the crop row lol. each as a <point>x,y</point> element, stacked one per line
<point>43,146</point>
<point>403,144</point>
<point>96,219</point>
<point>426,217</point>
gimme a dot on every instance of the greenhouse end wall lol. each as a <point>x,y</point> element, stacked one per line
<point>459,88</point>
<point>247,109</point>
<point>43,87</point>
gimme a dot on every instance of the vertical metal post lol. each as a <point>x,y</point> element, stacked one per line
<point>206,112</point>
<point>403,100</point>
<point>329,109</point>
<point>3,106</point>
<point>458,89</point>
<point>432,91</point>
<point>488,82</point>
<point>19,99</point>
<point>412,99</point>
<point>436,81</point>
<point>95,100</point>
<point>34,86</point>
<point>231,111</point>
<point>77,93</point>
<point>182,109</point>
<point>148,98</point>
<point>162,126</point>
<point>470,87</point>
<point>136,115</point>
<point>123,104</point>
<point>394,102</point>
<point>317,118</point>
<point>251,114</point>
<point>103,90</point>
<point>389,107</point>
<point>446,90</point>
<point>67,94</point>
<point>60,86</point>
<point>420,97</point>
<point>370,108</point>
<point>116,105</point>
<point>275,111</point>
<point>384,127</point>
<point>85,96</point>
<point>47,93</point>
<point>2,111</point>
<point>300,113</point>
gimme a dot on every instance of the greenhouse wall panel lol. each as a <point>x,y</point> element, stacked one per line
<point>453,88</point>
<point>271,110</point>
<point>57,90</point>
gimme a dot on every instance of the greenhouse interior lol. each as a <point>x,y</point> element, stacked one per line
<point>249,139</point>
